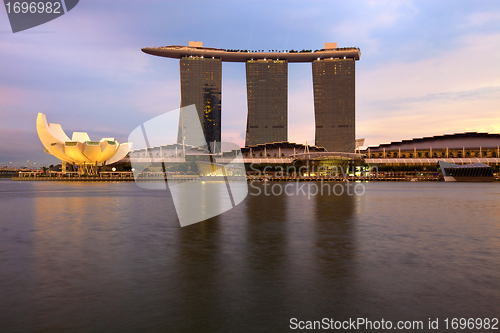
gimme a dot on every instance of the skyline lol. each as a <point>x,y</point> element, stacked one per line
<point>426,68</point>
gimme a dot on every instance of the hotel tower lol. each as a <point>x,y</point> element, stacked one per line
<point>333,72</point>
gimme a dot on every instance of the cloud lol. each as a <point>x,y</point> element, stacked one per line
<point>446,92</point>
<point>471,66</point>
<point>19,145</point>
<point>370,19</point>
<point>483,18</point>
<point>234,106</point>
<point>301,124</point>
<point>426,67</point>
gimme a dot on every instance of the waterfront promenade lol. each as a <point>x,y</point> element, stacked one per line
<point>152,178</point>
<point>127,176</point>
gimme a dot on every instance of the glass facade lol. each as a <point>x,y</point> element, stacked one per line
<point>267,96</point>
<point>201,86</point>
<point>334,104</point>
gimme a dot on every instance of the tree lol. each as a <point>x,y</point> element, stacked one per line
<point>193,166</point>
<point>183,167</point>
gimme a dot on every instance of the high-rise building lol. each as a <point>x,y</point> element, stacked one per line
<point>201,86</point>
<point>334,104</point>
<point>267,82</point>
<point>267,96</point>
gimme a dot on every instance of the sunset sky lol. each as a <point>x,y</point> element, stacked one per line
<point>426,67</point>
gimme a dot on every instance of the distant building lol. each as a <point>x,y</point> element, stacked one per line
<point>201,86</point>
<point>334,104</point>
<point>267,82</point>
<point>461,148</point>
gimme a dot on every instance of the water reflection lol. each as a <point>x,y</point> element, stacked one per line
<point>265,257</point>
<point>197,257</point>
<point>335,239</point>
<point>72,252</point>
<point>198,279</point>
<point>92,249</point>
<point>266,232</point>
<point>196,201</point>
<point>86,257</point>
<point>335,247</point>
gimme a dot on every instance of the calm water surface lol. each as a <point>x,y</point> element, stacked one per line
<point>112,257</point>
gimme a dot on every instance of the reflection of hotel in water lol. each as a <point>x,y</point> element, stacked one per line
<point>267,91</point>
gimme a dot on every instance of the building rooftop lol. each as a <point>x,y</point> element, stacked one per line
<point>195,49</point>
<point>456,140</point>
<point>282,145</point>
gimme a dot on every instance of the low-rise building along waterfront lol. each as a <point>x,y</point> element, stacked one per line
<point>458,148</point>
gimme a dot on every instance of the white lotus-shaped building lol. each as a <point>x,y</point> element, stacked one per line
<point>80,151</point>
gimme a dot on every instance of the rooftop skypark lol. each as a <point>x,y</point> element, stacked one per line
<point>196,49</point>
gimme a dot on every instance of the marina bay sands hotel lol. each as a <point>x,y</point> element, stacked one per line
<point>267,90</point>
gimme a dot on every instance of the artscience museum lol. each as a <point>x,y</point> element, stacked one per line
<point>83,154</point>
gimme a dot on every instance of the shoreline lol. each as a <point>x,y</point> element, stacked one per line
<point>249,179</point>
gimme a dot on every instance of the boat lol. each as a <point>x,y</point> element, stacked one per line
<point>475,172</point>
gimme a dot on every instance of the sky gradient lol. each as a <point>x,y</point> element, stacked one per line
<point>426,67</point>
